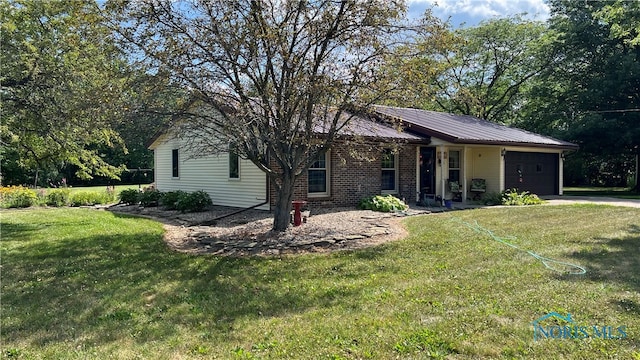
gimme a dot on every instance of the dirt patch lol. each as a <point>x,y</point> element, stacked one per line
<point>249,232</point>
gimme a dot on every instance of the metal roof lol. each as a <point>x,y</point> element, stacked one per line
<point>467,129</point>
<point>369,126</point>
<point>361,126</point>
<point>418,126</point>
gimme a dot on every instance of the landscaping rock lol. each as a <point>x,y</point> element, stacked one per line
<point>249,233</point>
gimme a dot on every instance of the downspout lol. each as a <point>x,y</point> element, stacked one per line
<point>235,212</point>
<point>267,201</point>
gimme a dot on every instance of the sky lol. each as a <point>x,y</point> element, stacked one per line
<point>465,13</point>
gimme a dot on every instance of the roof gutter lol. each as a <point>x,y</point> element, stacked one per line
<point>572,147</point>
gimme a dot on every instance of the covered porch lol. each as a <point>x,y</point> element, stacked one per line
<point>464,172</point>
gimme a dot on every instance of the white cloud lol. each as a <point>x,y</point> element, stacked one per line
<point>483,9</point>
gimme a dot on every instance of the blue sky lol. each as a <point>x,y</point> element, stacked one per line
<point>471,12</point>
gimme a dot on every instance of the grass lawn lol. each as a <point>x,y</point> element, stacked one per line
<point>617,192</point>
<point>88,284</point>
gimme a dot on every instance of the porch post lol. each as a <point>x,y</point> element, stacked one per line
<point>418,173</point>
<point>465,170</point>
<point>502,168</point>
<point>560,172</point>
<point>442,159</point>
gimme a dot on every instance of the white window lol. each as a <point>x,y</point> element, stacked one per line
<point>389,165</point>
<point>454,166</point>
<point>318,176</point>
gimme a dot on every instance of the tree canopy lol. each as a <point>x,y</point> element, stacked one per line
<point>478,71</point>
<point>591,93</point>
<point>74,104</point>
<point>61,77</point>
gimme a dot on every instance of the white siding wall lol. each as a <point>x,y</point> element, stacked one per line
<point>210,174</point>
<point>485,164</point>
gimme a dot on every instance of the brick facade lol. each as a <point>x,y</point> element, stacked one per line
<point>352,179</point>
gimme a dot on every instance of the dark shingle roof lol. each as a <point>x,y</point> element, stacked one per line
<point>467,129</point>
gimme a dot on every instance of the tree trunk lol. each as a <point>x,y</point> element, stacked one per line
<point>284,196</point>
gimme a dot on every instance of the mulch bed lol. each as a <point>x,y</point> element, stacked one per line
<point>249,233</point>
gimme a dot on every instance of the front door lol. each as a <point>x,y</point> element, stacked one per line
<point>427,171</point>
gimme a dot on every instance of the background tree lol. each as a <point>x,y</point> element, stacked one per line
<point>278,79</point>
<point>623,18</point>
<point>60,77</point>
<point>591,94</point>
<point>149,102</point>
<point>478,71</point>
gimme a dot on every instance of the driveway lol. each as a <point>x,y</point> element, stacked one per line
<point>564,200</point>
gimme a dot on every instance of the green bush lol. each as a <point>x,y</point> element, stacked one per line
<point>17,197</point>
<point>129,196</point>
<point>192,202</point>
<point>88,198</point>
<point>386,203</point>
<point>170,199</point>
<point>513,197</point>
<point>493,198</point>
<point>58,197</point>
<point>150,197</point>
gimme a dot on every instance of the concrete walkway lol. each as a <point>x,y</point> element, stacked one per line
<point>565,200</point>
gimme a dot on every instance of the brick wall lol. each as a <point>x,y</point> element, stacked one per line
<point>407,177</point>
<point>353,178</point>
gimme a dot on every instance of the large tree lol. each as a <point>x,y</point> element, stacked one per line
<point>477,71</point>
<point>278,79</point>
<point>61,78</point>
<point>623,18</point>
<point>591,94</point>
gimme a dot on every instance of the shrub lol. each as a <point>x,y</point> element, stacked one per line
<point>129,196</point>
<point>513,197</point>
<point>170,199</point>
<point>150,197</point>
<point>17,197</point>
<point>58,197</point>
<point>192,202</point>
<point>88,198</point>
<point>109,196</point>
<point>493,198</point>
<point>386,203</point>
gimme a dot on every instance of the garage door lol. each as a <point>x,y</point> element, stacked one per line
<point>533,172</point>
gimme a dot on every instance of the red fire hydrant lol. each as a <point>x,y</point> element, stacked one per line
<point>297,215</point>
